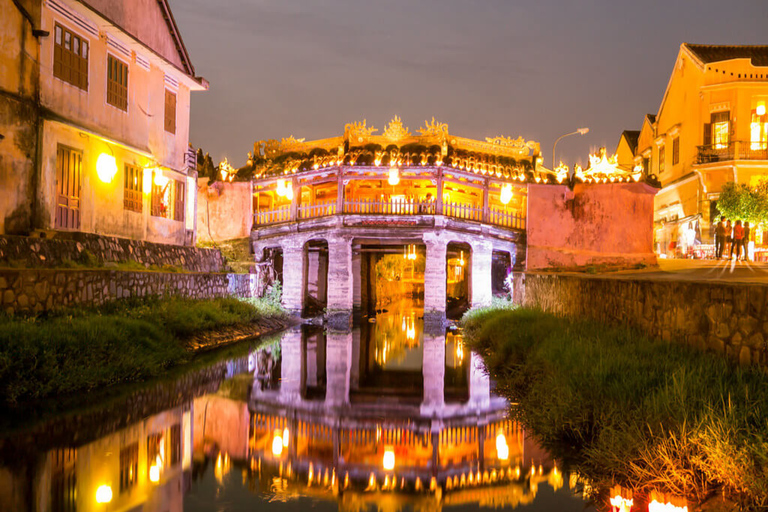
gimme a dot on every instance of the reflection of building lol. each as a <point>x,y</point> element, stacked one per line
<point>140,466</point>
<point>711,128</point>
<point>95,126</point>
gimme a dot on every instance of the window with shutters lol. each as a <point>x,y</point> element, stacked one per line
<point>69,167</point>
<point>70,57</point>
<point>174,448</point>
<point>117,83</point>
<point>721,129</point>
<point>170,112</point>
<point>758,128</point>
<point>662,159</point>
<point>64,480</point>
<point>162,197</point>
<point>178,200</point>
<point>129,467</point>
<point>676,151</point>
<point>132,191</point>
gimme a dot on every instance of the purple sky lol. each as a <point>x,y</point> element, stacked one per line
<point>531,68</point>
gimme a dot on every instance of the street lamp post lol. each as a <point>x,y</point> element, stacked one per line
<point>580,131</point>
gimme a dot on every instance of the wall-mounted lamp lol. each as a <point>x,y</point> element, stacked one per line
<point>106,167</point>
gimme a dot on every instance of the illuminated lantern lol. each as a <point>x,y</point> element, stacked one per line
<point>506,194</point>
<point>160,180</point>
<point>154,473</point>
<point>104,494</point>
<point>394,176</point>
<point>281,188</point>
<point>389,459</point>
<point>106,167</point>
<point>289,191</point>
<point>147,182</point>
<point>277,446</point>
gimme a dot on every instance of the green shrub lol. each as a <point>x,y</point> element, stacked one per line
<point>629,409</point>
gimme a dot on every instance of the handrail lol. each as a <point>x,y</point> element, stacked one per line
<point>405,206</point>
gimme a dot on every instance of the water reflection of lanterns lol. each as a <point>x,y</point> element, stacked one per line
<point>388,462</point>
<point>621,499</point>
<point>663,503</point>
<point>104,494</point>
<point>279,442</point>
<point>502,448</point>
<point>222,467</point>
<point>154,473</point>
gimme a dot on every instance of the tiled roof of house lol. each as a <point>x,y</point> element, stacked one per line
<point>632,136</point>
<point>716,53</point>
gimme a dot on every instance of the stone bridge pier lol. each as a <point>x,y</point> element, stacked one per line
<point>342,276</point>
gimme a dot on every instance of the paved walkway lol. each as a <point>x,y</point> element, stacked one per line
<point>701,270</point>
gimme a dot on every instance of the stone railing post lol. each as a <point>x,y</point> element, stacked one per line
<point>482,255</point>
<point>340,282</point>
<point>293,277</point>
<point>435,286</point>
<point>433,368</point>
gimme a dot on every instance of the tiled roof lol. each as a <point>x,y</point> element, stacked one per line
<point>716,53</point>
<point>632,136</point>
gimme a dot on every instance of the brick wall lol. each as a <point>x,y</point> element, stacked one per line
<point>40,290</point>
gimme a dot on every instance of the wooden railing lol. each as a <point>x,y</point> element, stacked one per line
<point>495,216</point>
<point>463,211</point>
<point>500,217</point>
<point>392,207</point>
<point>264,218</point>
<point>314,210</point>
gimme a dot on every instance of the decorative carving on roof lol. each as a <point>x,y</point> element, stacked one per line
<point>292,140</point>
<point>434,129</point>
<point>395,130</point>
<point>358,131</point>
<point>518,143</point>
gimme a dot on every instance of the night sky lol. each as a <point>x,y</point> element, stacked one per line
<point>531,68</point>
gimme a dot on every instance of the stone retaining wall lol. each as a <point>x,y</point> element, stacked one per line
<point>29,252</point>
<point>39,290</point>
<point>726,318</point>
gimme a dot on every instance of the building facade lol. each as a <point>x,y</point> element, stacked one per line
<point>97,134</point>
<point>711,128</point>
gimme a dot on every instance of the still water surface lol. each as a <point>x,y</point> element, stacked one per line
<point>385,417</point>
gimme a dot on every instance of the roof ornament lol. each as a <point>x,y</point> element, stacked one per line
<point>358,132</point>
<point>434,129</point>
<point>395,130</point>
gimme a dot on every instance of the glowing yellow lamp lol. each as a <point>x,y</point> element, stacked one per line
<point>280,187</point>
<point>154,473</point>
<point>506,194</point>
<point>147,181</point>
<point>160,180</point>
<point>394,176</point>
<point>760,108</point>
<point>277,446</point>
<point>106,167</point>
<point>104,494</point>
<point>389,459</point>
<point>289,191</point>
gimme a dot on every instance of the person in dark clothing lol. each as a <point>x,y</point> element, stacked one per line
<point>745,242</point>
<point>720,238</point>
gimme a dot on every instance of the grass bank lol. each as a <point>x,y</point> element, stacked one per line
<point>623,408</point>
<point>126,341</point>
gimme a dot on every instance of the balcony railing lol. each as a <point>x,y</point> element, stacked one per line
<point>494,215</point>
<point>734,150</point>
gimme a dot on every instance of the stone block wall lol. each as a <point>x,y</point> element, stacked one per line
<point>20,251</point>
<point>31,291</point>
<point>726,318</point>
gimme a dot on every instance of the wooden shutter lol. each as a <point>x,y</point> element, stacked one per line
<point>178,200</point>
<point>170,111</point>
<point>117,83</point>
<point>132,190</point>
<point>70,57</point>
<point>68,174</point>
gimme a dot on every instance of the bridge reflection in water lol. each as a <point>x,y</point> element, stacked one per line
<point>385,415</point>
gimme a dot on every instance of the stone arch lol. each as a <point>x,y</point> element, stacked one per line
<point>458,276</point>
<point>315,263</point>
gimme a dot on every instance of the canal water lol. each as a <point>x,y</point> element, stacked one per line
<point>388,416</point>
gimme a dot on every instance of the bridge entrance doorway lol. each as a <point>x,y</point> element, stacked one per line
<point>458,273</point>
<point>316,277</point>
<point>392,327</point>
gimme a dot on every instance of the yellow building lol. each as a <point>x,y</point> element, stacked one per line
<point>711,128</point>
<point>95,131</point>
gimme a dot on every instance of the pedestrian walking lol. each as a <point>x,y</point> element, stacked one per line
<point>745,242</point>
<point>738,236</point>
<point>720,238</point>
<point>728,239</point>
